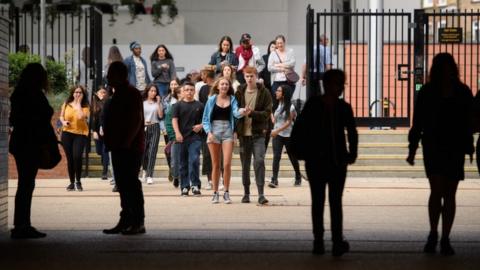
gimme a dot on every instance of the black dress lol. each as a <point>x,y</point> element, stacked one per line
<point>443,125</point>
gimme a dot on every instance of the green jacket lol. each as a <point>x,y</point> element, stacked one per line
<point>169,125</point>
<point>260,115</point>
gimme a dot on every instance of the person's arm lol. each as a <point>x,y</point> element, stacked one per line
<point>290,60</point>
<point>415,133</point>
<point>159,107</point>
<point>173,71</point>
<point>266,106</point>
<point>155,70</point>
<point>237,112</point>
<point>273,60</point>
<point>176,127</point>
<point>260,64</point>
<point>198,127</point>
<point>206,115</point>
<point>62,115</point>
<point>352,135</point>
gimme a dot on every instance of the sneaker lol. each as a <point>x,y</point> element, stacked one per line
<point>26,233</point>
<point>318,247</point>
<point>445,248</point>
<point>226,197</point>
<point>298,182</point>
<point>184,192</point>
<point>262,200</point>
<point>149,180</point>
<point>209,185</point>
<point>115,188</point>
<point>104,177</point>
<point>273,184</point>
<point>215,198</point>
<point>431,245</point>
<point>170,177</point>
<point>339,248</point>
<point>175,182</point>
<point>71,187</point>
<point>112,182</point>
<point>246,198</point>
<point>78,186</point>
<point>196,191</point>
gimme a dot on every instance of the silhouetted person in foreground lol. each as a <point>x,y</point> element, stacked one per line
<point>441,120</point>
<point>326,155</point>
<point>124,137</point>
<point>30,118</point>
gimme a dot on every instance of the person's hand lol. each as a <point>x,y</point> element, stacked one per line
<point>179,138</point>
<point>65,123</point>
<point>351,158</point>
<point>411,159</point>
<point>165,66</point>
<point>101,131</point>
<point>304,81</point>
<point>95,135</point>
<point>197,128</point>
<point>158,99</point>
<point>210,137</point>
<point>274,134</point>
<point>248,111</point>
<point>241,111</point>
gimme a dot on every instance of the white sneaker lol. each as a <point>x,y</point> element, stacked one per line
<point>209,185</point>
<point>149,180</point>
<point>226,198</point>
<point>144,175</point>
<point>215,198</point>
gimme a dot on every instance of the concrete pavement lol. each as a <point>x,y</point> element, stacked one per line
<point>385,220</point>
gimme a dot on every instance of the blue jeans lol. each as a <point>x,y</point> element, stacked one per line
<point>189,156</point>
<point>162,88</point>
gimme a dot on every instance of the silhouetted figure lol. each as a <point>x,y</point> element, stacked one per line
<point>30,118</point>
<point>326,155</point>
<point>441,120</point>
<point>476,125</point>
<point>124,136</point>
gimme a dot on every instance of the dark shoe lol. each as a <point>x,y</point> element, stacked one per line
<point>431,245</point>
<point>262,200</point>
<point>273,184</point>
<point>115,188</point>
<point>175,182</point>
<point>445,248</point>
<point>318,247</point>
<point>78,186</point>
<point>196,191</point>
<point>246,198</point>
<point>71,187</point>
<point>26,233</point>
<point>170,177</point>
<point>134,229</point>
<point>339,248</point>
<point>184,192</point>
<point>117,229</point>
<point>298,182</point>
<point>104,177</point>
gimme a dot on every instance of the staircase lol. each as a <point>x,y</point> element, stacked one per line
<point>381,153</point>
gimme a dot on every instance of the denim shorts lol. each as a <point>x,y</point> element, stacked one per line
<point>222,131</point>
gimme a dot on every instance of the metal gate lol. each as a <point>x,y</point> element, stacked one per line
<point>454,32</point>
<point>73,36</point>
<point>374,49</point>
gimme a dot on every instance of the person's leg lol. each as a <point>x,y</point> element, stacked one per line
<point>135,192</point>
<point>215,149</point>
<point>67,143</point>
<point>317,193</point>
<point>194,148</point>
<point>227,150</point>
<point>120,167</point>
<point>293,160</point>
<point>246,149</point>
<point>27,171</point>
<point>148,144</point>
<point>277,155</point>
<point>434,211</point>
<point>448,214</point>
<point>183,165</point>
<point>79,143</point>
<point>259,163</point>
<point>153,149</point>
<point>206,161</point>
<point>335,193</point>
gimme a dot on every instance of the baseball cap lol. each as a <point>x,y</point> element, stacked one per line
<point>245,37</point>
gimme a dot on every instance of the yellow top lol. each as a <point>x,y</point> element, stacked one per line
<point>78,124</point>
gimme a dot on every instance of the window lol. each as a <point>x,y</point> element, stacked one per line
<point>427,3</point>
<point>441,3</point>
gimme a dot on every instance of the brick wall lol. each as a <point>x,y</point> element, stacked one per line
<point>4,108</point>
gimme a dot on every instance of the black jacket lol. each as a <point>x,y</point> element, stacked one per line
<point>261,113</point>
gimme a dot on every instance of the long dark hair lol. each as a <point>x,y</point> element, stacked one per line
<point>114,54</point>
<point>287,99</point>
<point>444,72</point>
<point>227,38</point>
<point>33,78</point>
<point>269,45</point>
<point>147,89</point>
<point>154,55</point>
<point>70,98</point>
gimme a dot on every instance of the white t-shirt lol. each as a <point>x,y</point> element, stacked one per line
<point>281,118</point>
<point>150,112</point>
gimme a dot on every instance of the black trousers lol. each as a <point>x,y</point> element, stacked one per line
<point>126,165</point>
<point>27,169</point>
<point>318,183</point>
<point>74,144</point>
<point>278,142</point>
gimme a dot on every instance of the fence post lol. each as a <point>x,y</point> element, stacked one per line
<point>418,51</point>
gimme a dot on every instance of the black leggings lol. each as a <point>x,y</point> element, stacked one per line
<point>74,144</point>
<point>27,169</point>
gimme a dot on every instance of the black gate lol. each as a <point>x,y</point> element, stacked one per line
<point>457,33</point>
<point>374,49</point>
<point>73,35</point>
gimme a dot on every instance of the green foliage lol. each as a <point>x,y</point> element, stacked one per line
<point>55,70</point>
